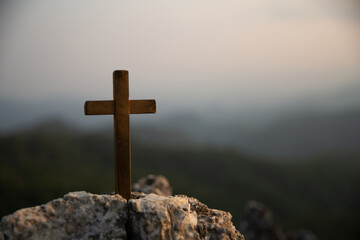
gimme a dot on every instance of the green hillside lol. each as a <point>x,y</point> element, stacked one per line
<point>321,194</point>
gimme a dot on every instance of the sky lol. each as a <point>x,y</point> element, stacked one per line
<point>186,54</point>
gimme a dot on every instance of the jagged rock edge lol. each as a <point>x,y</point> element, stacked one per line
<point>194,205</point>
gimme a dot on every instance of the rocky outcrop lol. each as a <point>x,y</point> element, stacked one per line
<point>157,184</point>
<point>82,215</point>
<point>258,224</point>
<point>78,215</point>
<point>152,214</point>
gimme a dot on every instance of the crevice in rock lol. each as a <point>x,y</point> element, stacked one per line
<point>128,226</point>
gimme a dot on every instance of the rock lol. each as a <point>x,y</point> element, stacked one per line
<point>153,184</point>
<point>179,217</point>
<point>212,223</point>
<point>158,217</point>
<point>258,223</point>
<point>81,215</point>
<point>78,215</point>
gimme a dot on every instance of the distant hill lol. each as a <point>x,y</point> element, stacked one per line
<point>305,135</point>
<point>324,125</point>
<point>290,136</point>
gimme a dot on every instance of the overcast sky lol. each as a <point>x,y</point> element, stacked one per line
<point>183,53</point>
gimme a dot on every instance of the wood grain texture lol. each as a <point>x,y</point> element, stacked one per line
<point>99,107</point>
<point>142,106</point>
<point>107,107</point>
<point>122,133</point>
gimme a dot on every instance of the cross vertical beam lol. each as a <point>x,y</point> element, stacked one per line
<point>122,133</point>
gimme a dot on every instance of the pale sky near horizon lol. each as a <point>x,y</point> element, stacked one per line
<point>186,52</point>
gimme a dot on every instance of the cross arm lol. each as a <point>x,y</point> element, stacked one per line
<point>107,107</point>
<point>142,106</point>
<point>99,107</point>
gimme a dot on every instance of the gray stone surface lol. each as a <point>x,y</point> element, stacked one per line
<point>157,184</point>
<point>212,223</point>
<point>81,215</point>
<point>158,217</point>
<point>78,215</point>
<point>179,217</point>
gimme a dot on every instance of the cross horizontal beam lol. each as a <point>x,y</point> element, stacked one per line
<point>107,107</point>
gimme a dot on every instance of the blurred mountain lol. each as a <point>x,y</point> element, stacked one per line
<point>324,124</point>
<point>307,134</point>
<point>290,136</point>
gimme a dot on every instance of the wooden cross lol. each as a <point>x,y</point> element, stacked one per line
<point>121,107</point>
